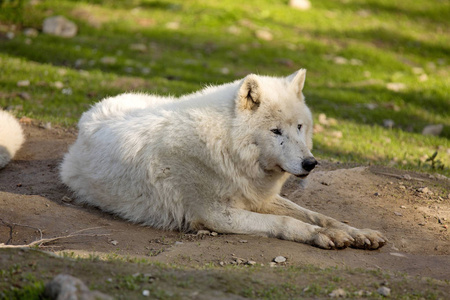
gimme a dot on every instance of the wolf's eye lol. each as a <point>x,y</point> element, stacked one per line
<point>299,126</point>
<point>276,131</point>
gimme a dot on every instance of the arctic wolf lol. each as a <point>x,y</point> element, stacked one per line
<point>215,159</point>
<point>11,137</point>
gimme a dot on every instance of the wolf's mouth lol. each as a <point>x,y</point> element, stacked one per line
<point>296,175</point>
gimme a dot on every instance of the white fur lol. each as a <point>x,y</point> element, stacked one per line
<point>205,160</point>
<point>11,137</point>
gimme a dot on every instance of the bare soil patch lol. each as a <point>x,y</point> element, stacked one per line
<point>414,219</point>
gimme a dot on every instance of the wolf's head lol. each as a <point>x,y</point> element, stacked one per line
<point>279,124</point>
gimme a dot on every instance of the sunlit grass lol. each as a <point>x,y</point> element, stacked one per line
<point>352,50</point>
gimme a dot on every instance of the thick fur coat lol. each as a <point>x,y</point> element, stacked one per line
<point>11,137</point>
<point>216,159</point>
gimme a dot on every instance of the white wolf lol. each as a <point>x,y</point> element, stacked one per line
<point>11,137</point>
<point>216,159</point>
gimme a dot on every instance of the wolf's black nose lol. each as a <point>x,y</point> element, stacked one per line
<point>309,163</point>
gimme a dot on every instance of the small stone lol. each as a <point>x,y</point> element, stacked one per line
<point>279,259</point>
<point>239,261</point>
<point>398,213</point>
<point>114,242</point>
<point>388,123</point>
<point>243,241</point>
<point>384,291</point>
<point>424,190</point>
<point>30,32</point>
<point>22,83</point>
<point>145,293</point>
<point>402,187</point>
<point>222,263</point>
<point>395,86</point>
<point>214,233</point>
<point>340,60</point>
<point>433,129</point>
<point>138,47</point>
<point>178,243</point>
<point>47,125</point>
<point>24,95</point>
<point>173,25</point>
<point>272,264</point>
<point>251,262</point>
<point>377,194</point>
<point>66,199</point>
<point>402,206</point>
<point>407,177</point>
<point>108,60</point>
<point>338,293</point>
<point>264,35</point>
<point>58,84</point>
<point>300,4</point>
<point>59,26</point>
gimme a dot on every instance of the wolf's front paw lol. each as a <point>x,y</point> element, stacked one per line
<point>332,238</point>
<point>367,239</point>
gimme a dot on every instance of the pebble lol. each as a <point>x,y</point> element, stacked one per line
<point>300,4</point>
<point>23,83</point>
<point>264,35</point>
<point>30,32</point>
<point>66,199</point>
<point>424,190</point>
<point>243,241</point>
<point>59,26</point>
<point>338,293</point>
<point>145,293</point>
<point>384,291</point>
<point>214,233</point>
<point>251,262</point>
<point>114,242</point>
<point>24,96</point>
<point>388,123</point>
<point>279,259</point>
<point>433,129</point>
<point>272,264</point>
<point>377,194</point>
<point>402,206</point>
<point>398,213</point>
<point>395,86</point>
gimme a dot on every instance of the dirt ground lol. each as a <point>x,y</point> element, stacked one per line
<point>415,220</point>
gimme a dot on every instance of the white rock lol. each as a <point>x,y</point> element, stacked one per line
<point>384,291</point>
<point>59,26</point>
<point>300,4</point>
<point>264,35</point>
<point>114,242</point>
<point>279,259</point>
<point>388,123</point>
<point>145,293</point>
<point>108,60</point>
<point>338,293</point>
<point>30,32</point>
<point>433,129</point>
<point>395,86</point>
<point>23,83</point>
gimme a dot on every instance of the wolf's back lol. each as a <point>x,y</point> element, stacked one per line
<point>11,137</point>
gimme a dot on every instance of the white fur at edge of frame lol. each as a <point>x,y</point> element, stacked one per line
<point>215,159</point>
<point>11,137</point>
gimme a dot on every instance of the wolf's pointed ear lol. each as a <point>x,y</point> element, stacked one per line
<point>249,93</point>
<point>298,81</point>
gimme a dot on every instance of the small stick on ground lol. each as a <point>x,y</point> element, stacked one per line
<point>42,241</point>
<point>397,176</point>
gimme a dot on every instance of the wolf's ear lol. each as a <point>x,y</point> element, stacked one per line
<point>249,93</point>
<point>297,81</point>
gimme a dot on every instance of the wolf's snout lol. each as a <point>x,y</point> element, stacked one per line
<point>309,163</point>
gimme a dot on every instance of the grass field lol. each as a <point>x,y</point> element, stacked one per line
<point>367,61</point>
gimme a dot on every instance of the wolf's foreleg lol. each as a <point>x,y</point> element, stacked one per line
<point>361,238</point>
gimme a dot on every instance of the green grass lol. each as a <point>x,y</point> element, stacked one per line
<point>383,42</point>
<point>25,274</point>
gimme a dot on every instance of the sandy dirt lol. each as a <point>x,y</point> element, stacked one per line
<point>33,200</point>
